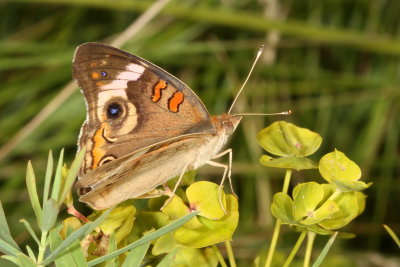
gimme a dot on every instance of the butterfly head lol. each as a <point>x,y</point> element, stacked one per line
<point>228,123</point>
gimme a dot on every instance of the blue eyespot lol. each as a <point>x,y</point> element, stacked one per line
<point>114,110</point>
<point>103,73</point>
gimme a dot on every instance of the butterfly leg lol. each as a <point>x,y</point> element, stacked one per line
<point>175,188</point>
<point>227,168</point>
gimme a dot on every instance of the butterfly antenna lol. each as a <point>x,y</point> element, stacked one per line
<point>260,51</point>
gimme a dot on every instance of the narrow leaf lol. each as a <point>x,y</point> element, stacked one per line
<point>57,178</point>
<point>77,235</point>
<point>392,234</point>
<point>325,250</point>
<point>72,174</point>
<point>168,259</point>
<point>50,212</point>
<point>72,256</point>
<point>31,185</point>
<point>25,261</point>
<point>136,255</point>
<point>8,249</point>
<point>47,180</point>
<point>5,234</point>
<point>30,230</point>
<point>151,236</point>
<point>30,253</point>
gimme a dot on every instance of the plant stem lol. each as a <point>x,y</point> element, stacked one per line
<point>42,248</point>
<point>277,228</point>
<point>295,248</point>
<point>219,256</point>
<point>310,243</point>
<point>230,254</point>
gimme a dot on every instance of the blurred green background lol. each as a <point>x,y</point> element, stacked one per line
<point>334,63</point>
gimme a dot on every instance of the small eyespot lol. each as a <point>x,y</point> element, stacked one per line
<point>103,73</point>
<point>114,110</point>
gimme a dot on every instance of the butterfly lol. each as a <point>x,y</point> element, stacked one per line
<point>143,127</point>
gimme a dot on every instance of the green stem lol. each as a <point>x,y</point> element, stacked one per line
<point>335,194</point>
<point>231,257</point>
<point>42,248</point>
<point>219,256</point>
<point>310,243</point>
<point>295,248</point>
<point>278,223</point>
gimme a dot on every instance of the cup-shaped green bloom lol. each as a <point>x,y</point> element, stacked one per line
<point>339,170</point>
<point>212,225</point>
<point>293,144</point>
<point>316,208</point>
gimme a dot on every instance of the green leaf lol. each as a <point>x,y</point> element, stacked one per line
<point>212,231</point>
<point>282,208</point>
<point>77,235</point>
<point>136,255</point>
<point>288,163</point>
<point>204,196</point>
<point>149,237</point>
<point>112,246</point>
<point>31,186</point>
<point>72,256</point>
<point>25,261</point>
<point>30,230</point>
<point>57,178</point>
<point>30,253</point>
<point>287,140</point>
<point>47,180</point>
<point>50,212</point>
<point>8,249</point>
<point>325,251</point>
<point>5,234</point>
<point>338,169</point>
<point>195,257</point>
<point>168,259</point>
<point>72,174</point>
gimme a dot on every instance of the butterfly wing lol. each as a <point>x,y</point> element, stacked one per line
<point>131,104</point>
<point>137,173</point>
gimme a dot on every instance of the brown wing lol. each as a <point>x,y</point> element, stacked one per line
<point>140,172</point>
<point>131,104</point>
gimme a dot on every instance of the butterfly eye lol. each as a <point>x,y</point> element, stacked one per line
<point>114,110</point>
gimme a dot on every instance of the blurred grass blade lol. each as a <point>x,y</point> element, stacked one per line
<point>57,178</point>
<point>72,174</point>
<point>156,234</point>
<point>136,255</point>
<point>50,212</point>
<point>31,185</point>
<point>168,259</point>
<point>325,250</point>
<point>77,235</point>
<point>392,234</point>
<point>5,234</point>
<point>72,256</point>
<point>30,230</point>
<point>47,180</point>
<point>8,249</point>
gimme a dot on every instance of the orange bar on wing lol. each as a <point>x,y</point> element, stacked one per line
<point>157,90</point>
<point>175,101</point>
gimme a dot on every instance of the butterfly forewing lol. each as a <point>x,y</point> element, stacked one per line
<point>131,104</point>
